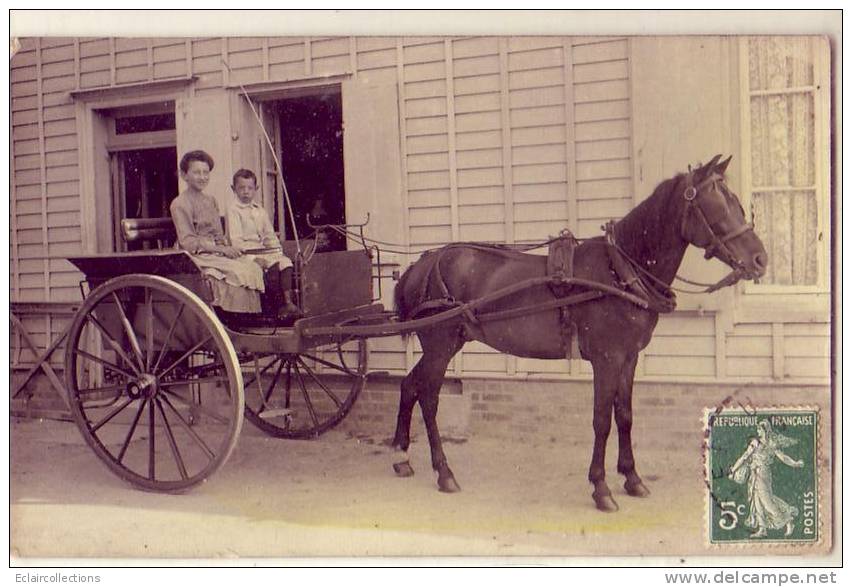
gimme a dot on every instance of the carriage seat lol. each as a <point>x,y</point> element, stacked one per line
<point>161,230</point>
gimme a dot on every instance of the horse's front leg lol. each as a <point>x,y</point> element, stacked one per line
<point>607,373</point>
<point>624,421</point>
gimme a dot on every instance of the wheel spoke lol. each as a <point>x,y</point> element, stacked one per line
<point>151,452</point>
<point>130,432</point>
<point>112,343</point>
<point>330,365</point>
<point>201,369</point>
<point>128,329</point>
<point>168,338</point>
<point>111,415</point>
<point>93,390</point>
<point>185,355</point>
<point>288,384</point>
<point>262,371</point>
<point>172,444</point>
<point>306,395</point>
<point>328,392</point>
<point>272,385</point>
<point>185,425</point>
<point>149,327</point>
<point>107,364</point>
<point>218,379</point>
<point>206,411</point>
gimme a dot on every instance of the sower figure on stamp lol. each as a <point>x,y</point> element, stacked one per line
<point>252,234</point>
<point>767,511</point>
<point>236,281</point>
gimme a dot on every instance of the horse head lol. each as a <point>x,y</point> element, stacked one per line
<point>714,220</point>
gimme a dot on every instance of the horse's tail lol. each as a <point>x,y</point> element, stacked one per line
<point>412,288</point>
<point>400,300</point>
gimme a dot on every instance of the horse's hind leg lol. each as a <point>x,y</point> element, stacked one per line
<point>439,347</point>
<point>624,421</point>
<point>423,385</point>
<point>402,436</point>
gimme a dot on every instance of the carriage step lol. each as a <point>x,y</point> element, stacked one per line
<point>276,413</point>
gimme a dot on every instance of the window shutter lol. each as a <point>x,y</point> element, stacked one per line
<point>371,159</point>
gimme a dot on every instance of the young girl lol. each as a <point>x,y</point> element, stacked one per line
<point>237,281</point>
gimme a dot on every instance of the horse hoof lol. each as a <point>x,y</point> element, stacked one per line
<point>448,485</point>
<point>637,489</point>
<point>403,469</point>
<point>605,503</point>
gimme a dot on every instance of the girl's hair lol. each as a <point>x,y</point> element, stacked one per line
<point>246,174</point>
<point>195,156</point>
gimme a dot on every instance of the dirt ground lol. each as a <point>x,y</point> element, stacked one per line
<point>337,496</point>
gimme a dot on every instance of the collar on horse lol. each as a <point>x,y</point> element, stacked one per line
<point>658,295</point>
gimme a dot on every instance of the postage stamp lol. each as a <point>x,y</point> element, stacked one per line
<point>762,475</point>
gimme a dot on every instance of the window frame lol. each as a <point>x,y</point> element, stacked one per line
<point>821,187</point>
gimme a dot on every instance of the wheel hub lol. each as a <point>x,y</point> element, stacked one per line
<point>144,386</point>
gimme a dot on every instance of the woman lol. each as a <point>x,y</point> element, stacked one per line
<point>767,511</point>
<point>237,281</point>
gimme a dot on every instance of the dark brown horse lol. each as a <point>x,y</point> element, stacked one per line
<point>691,208</point>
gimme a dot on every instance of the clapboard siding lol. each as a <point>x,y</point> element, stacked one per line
<point>502,139</point>
<point>602,131</point>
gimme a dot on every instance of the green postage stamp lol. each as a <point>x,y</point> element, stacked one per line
<point>762,475</point>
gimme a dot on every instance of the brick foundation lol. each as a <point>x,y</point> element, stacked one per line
<point>665,415</point>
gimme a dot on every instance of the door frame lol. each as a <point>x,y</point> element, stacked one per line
<point>96,220</point>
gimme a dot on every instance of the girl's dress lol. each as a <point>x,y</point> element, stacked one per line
<point>236,283</point>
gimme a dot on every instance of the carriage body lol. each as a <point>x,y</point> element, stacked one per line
<point>159,380</point>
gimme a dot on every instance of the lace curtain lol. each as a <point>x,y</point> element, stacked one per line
<point>783,156</point>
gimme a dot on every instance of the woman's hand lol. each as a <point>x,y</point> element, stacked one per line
<point>230,252</point>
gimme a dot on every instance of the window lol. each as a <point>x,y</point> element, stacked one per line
<point>784,105</point>
<point>140,141</point>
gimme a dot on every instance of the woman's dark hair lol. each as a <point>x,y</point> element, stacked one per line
<point>195,156</point>
<point>245,174</point>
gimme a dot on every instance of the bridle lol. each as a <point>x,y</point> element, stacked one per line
<point>718,245</point>
<point>661,295</point>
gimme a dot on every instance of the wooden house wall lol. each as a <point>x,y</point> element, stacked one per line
<point>501,139</point>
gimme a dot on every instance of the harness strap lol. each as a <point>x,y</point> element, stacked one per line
<point>661,302</point>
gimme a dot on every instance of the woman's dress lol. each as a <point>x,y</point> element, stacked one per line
<point>236,283</point>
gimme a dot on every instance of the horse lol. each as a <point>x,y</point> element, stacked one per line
<point>696,208</point>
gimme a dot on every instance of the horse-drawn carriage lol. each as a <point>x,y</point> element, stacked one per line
<point>158,380</point>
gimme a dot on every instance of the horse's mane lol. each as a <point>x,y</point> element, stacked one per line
<point>651,217</point>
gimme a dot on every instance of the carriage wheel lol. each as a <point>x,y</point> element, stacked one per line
<point>153,382</point>
<point>300,396</point>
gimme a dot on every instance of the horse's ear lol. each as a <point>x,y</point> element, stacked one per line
<point>712,165</point>
<point>721,167</point>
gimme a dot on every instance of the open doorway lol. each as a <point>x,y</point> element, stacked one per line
<point>311,128</point>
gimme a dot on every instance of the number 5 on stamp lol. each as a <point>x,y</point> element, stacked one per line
<point>762,475</point>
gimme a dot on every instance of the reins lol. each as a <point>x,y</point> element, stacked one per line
<point>691,195</point>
